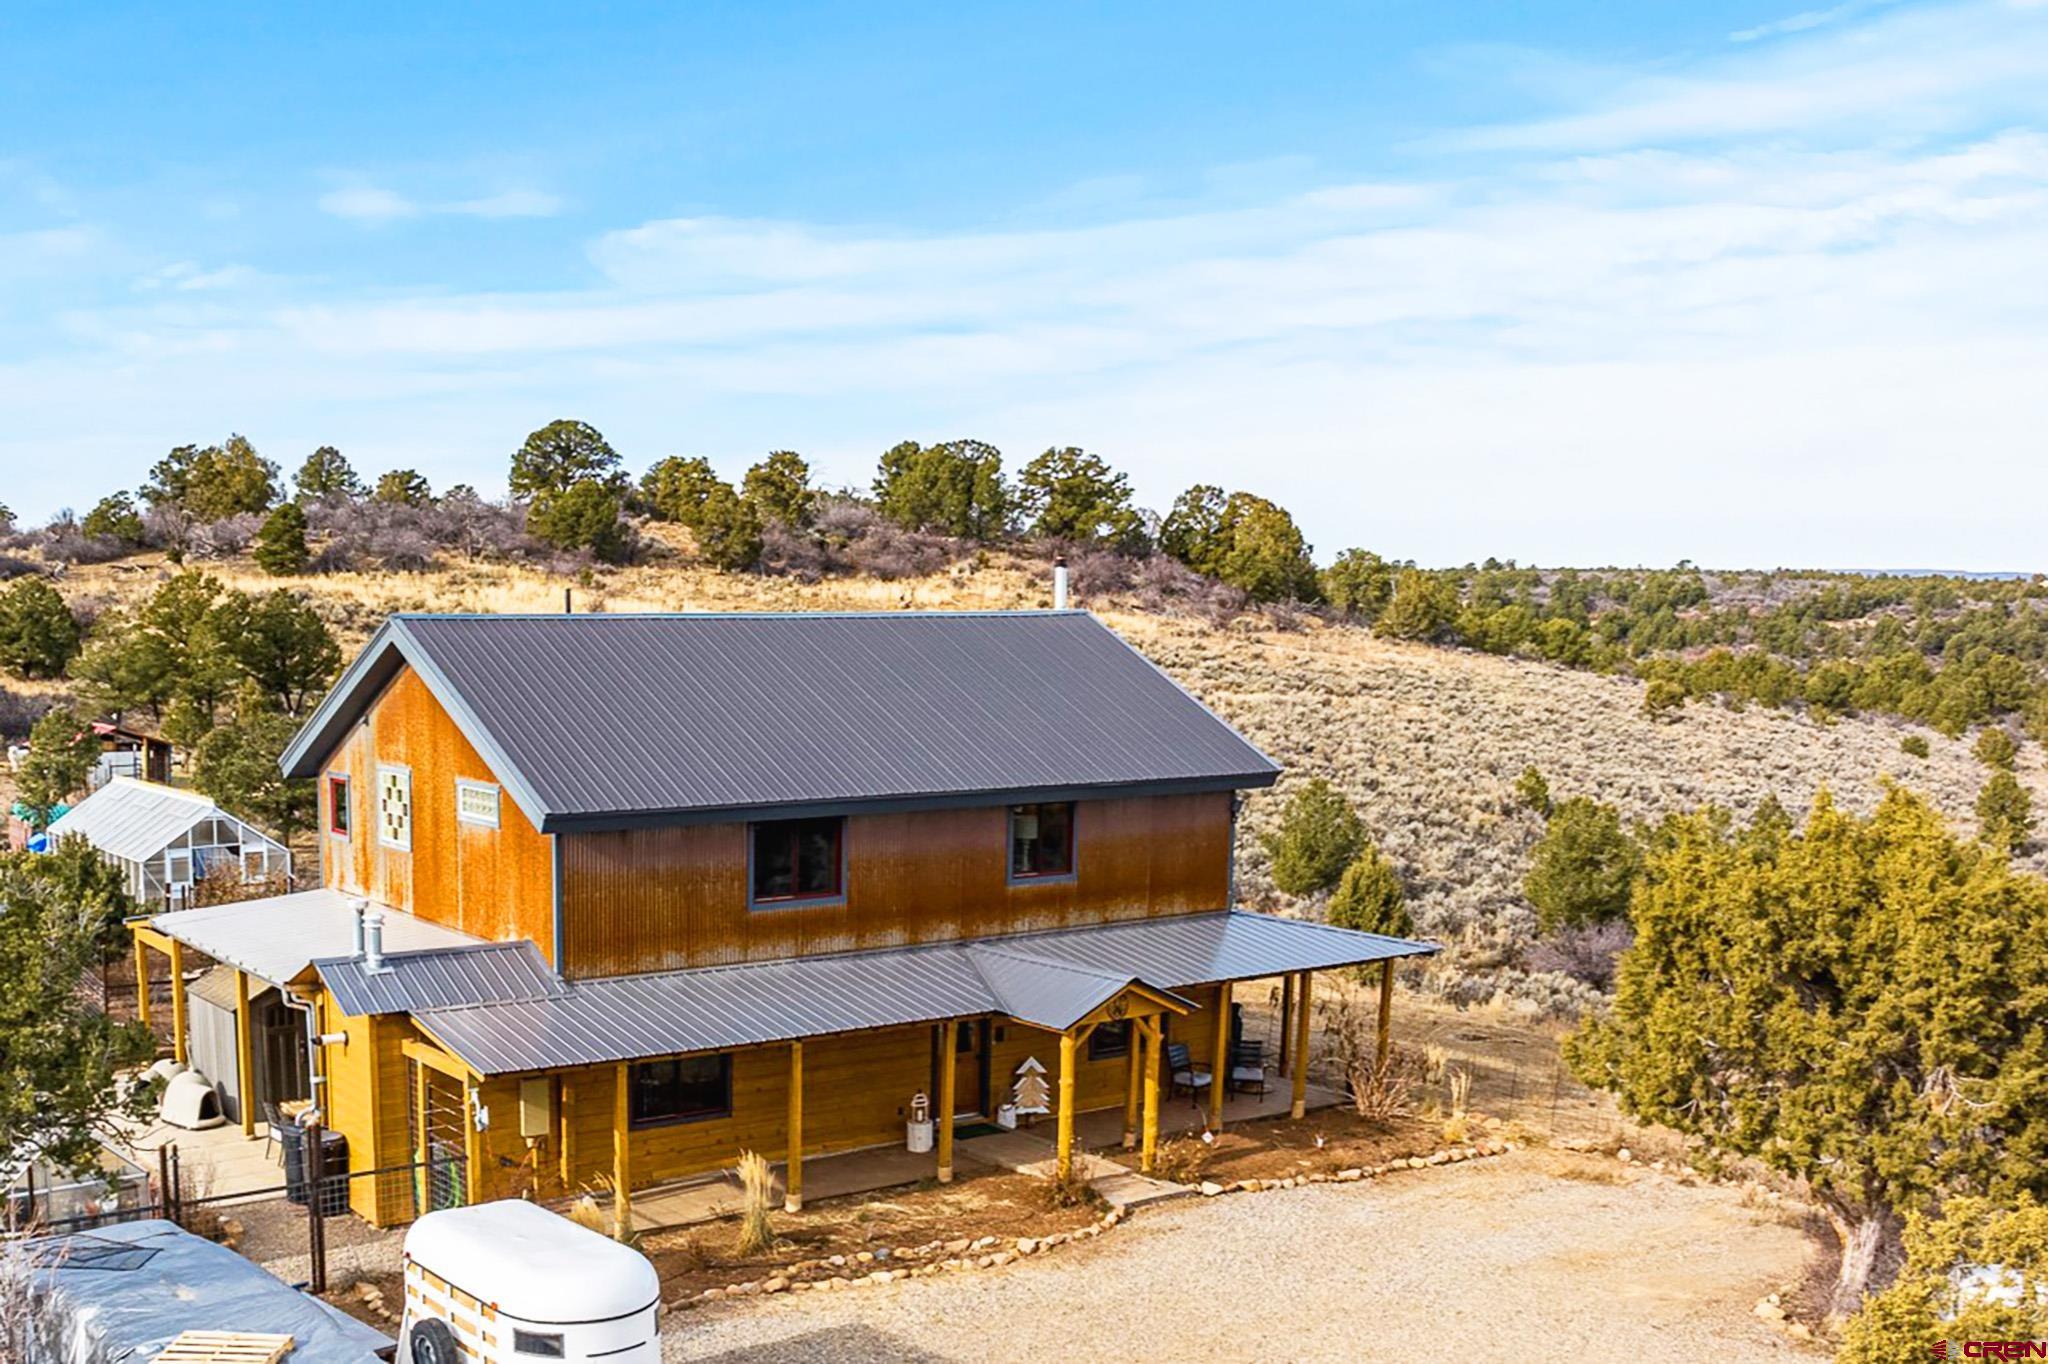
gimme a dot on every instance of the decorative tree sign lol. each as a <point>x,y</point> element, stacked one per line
<point>1031,1094</point>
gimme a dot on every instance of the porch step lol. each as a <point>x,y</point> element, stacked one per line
<point>1128,1189</point>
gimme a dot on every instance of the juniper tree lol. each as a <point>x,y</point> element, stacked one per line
<point>1584,867</point>
<point>1370,898</point>
<point>675,489</point>
<point>61,752</point>
<point>779,487</point>
<point>1856,1003</point>
<point>281,544</point>
<point>954,488</point>
<point>1319,836</point>
<point>38,634</point>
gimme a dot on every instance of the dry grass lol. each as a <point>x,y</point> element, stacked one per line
<point>757,1186</point>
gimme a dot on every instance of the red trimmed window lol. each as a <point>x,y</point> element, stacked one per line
<point>337,806</point>
<point>797,859</point>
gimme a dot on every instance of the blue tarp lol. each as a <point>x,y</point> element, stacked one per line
<point>122,1293</point>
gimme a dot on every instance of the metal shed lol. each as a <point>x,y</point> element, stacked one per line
<point>166,839</point>
<point>277,1043</point>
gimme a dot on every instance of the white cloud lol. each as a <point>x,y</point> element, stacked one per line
<point>367,204</point>
<point>1804,21</point>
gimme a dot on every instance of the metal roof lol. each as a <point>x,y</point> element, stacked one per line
<point>1048,979</point>
<point>439,978</point>
<point>616,719</point>
<point>135,820</point>
<point>278,936</point>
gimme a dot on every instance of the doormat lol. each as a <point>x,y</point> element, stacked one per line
<point>968,1131</point>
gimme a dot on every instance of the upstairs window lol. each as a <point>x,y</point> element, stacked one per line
<point>476,802</point>
<point>337,806</point>
<point>685,1089</point>
<point>797,859</point>
<point>1041,841</point>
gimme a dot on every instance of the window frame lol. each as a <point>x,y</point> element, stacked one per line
<point>1041,878</point>
<point>635,1122</point>
<point>550,1342</point>
<point>340,822</point>
<point>809,900</point>
<point>1121,1030</point>
<point>464,785</point>
<point>411,806</point>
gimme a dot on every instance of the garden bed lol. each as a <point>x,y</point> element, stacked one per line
<point>1326,1141</point>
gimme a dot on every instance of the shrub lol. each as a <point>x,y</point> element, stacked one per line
<point>1193,531</point>
<point>585,515</point>
<point>1663,697</point>
<point>281,544</point>
<point>1588,954</point>
<point>38,634</point>
<point>675,489</point>
<point>1533,791</point>
<point>1947,1290</point>
<point>114,518</point>
<point>61,752</point>
<point>1422,608</point>
<point>1069,494</point>
<point>1914,746</point>
<point>214,482</point>
<point>1369,897</point>
<point>1996,748</point>
<point>1319,836</point>
<point>2005,812</point>
<point>1585,867</point>
<point>728,531</point>
<point>1359,584</point>
<point>407,487</point>
<point>326,474</point>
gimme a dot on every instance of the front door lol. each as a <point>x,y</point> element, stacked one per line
<point>970,1068</point>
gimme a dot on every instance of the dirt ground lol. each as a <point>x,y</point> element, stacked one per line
<point>1536,1255</point>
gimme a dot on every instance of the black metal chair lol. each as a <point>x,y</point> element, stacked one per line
<point>1183,1073</point>
<point>1247,1068</point>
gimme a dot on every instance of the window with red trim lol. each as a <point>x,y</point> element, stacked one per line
<point>797,859</point>
<point>337,806</point>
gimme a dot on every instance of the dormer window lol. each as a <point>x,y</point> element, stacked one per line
<point>1041,841</point>
<point>796,861</point>
<point>337,806</point>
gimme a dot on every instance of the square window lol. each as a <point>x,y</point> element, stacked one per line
<point>1041,841</point>
<point>796,859</point>
<point>476,802</point>
<point>394,807</point>
<point>1110,1040</point>
<point>685,1089</point>
<point>337,806</point>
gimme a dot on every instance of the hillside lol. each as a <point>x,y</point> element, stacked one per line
<point>1427,740</point>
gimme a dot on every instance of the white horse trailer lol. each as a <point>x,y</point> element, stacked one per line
<point>512,1283</point>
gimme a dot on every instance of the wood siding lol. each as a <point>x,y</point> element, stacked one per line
<point>667,898</point>
<point>367,1100</point>
<point>495,883</point>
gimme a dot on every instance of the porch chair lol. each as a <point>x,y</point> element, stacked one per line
<point>273,1126</point>
<point>1181,1067</point>
<point>1247,1068</point>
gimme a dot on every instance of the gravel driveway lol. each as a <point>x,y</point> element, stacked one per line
<point>1499,1260</point>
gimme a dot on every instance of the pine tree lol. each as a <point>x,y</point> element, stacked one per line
<point>1319,836</point>
<point>38,634</point>
<point>281,544</point>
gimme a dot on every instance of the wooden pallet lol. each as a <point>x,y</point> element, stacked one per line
<point>225,1347</point>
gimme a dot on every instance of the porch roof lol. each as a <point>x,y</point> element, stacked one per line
<point>1051,980</point>
<point>276,937</point>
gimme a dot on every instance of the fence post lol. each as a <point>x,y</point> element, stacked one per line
<point>316,1205</point>
<point>164,1205</point>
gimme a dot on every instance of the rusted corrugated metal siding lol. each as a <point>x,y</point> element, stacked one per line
<point>665,899</point>
<point>496,884</point>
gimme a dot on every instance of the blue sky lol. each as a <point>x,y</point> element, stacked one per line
<point>1563,282</point>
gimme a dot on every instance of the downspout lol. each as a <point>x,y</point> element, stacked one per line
<point>555,873</point>
<point>316,1078</point>
<point>1236,798</point>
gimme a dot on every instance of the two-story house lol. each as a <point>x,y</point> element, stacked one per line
<point>608,899</point>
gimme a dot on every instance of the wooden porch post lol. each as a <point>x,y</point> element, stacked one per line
<point>793,1179</point>
<point>1286,1019</point>
<point>1064,1166</point>
<point>1301,1015</point>
<point>1134,1069</point>
<point>178,1040</point>
<point>423,1178</point>
<point>1386,1034</point>
<point>472,1147</point>
<point>141,980</point>
<point>1154,1038</point>
<point>245,1065</point>
<point>622,1172</point>
<point>949,1079</point>
<point>568,1163</point>
<point>1219,1061</point>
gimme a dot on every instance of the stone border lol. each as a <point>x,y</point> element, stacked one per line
<point>870,1267</point>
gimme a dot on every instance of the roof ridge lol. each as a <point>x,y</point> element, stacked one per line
<point>920,613</point>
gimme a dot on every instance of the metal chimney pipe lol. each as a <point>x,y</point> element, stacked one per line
<point>1059,583</point>
<point>373,944</point>
<point>359,908</point>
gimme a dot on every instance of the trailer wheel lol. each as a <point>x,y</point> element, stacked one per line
<point>434,1343</point>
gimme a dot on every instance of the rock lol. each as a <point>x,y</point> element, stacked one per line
<point>366,1290</point>
<point>1112,1217</point>
<point>1247,1186</point>
<point>749,1288</point>
<point>799,1287</point>
<point>884,1276</point>
<point>1210,1188</point>
<point>984,1243</point>
<point>866,1257</point>
<point>1319,1177</point>
<point>1799,1330</point>
<point>231,1232</point>
<point>1768,1309</point>
<point>777,1284</point>
<point>1350,1176</point>
<point>837,1262</point>
<point>1624,1155</point>
<point>955,1247</point>
<point>1004,1257</point>
<point>1417,1163</point>
<point>1436,1158</point>
<point>1026,1246</point>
